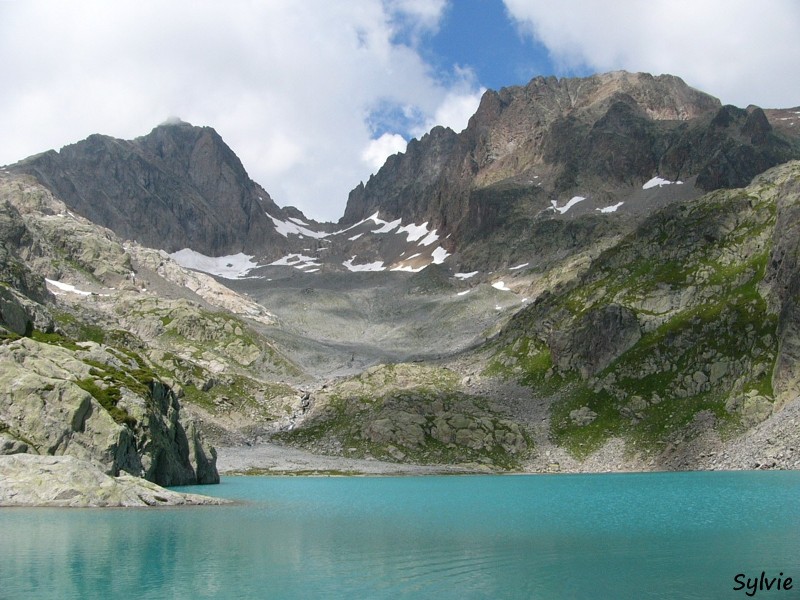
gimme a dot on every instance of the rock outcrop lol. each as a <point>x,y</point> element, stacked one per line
<point>66,481</point>
<point>599,337</point>
<point>412,412</point>
<point>87,402</point>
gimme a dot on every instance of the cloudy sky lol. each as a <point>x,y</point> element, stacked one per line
<point>313,95</point>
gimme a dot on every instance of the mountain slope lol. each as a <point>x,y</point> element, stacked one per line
<point>177,187</point>
<point>687,325</point>
<point>104,347</point>
<point>587,270</point>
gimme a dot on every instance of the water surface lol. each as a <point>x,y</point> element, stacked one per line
<point>658,535</point>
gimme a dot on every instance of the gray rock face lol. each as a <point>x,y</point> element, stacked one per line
<point>66,481</point>
<point>16,238</point>
<point>782,279</point>
<point>13,315</point>
<point>601,336</point>
<point>50,405</point>
<point>171,453</point>
<point>180,186</point>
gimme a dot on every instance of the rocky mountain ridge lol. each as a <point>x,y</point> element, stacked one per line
<point>557,167</point>
<point>550,287</point>
<point>529,150</point>
<point>178,187</point>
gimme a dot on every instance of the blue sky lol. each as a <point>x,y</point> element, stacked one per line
<point>477,39</point>
<point>482,35</point>
<point>313,95</point>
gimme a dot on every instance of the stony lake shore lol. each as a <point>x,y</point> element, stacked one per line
<point>773,444</point>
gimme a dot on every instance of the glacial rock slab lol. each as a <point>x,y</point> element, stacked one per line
<point>66,481</point>
<point>48,406</point>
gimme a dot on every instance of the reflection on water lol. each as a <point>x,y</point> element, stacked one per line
<point>564,536</point>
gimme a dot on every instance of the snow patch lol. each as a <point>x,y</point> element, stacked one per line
<point>429,239</point>
<point>439,255</point>
<point>658,182</point>
<point>518,267</point>
<point>415,232</point>
<point>387,227</point>
<point>298,261</point>
<point>285,228</point>
<point>500,285</point>
<point>464,293</point>
<point>610,209</point>
<point>233,266</point>
<point>373,266</point>
<point>572,202</point>
<point>372,218</point>
<point>355,237</point>
<point>466,275</point>
<point>66,287</point>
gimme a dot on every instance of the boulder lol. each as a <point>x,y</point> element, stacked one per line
<point>582,416</point>
<point>20,314</point>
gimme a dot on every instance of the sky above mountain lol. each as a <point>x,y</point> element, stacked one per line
<point>314,95</point>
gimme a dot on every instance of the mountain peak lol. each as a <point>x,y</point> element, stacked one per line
<point>173,121</point>
<point>598,138</point>
<point>179,186</point>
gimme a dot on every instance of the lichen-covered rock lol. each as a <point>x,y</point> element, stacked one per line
<point>597,339</point>
<point>80,402</point>
<point>42,404</point>
<point>66,481</point>
<point>582,416</point>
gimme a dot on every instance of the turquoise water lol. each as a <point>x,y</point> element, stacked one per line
<point>662,535</point>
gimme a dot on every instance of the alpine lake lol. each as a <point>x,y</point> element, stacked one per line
<point>651,535</point>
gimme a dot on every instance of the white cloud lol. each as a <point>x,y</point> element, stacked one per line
<point>456,109</point>
<point>378,150</point>
<point>289,85</point>
<point>739,51</point>
<point>458,104</point>
<point>426,14</point>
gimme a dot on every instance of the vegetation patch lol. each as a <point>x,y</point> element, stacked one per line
<point>108,397</point>
<point>54,339</point>
<point>691,275</point>
<point>298,473</point>
<point>410,413</point>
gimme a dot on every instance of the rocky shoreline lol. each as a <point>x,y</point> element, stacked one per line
<point>275,459</point>
<point>66,481</point>
<point>773,444</point>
